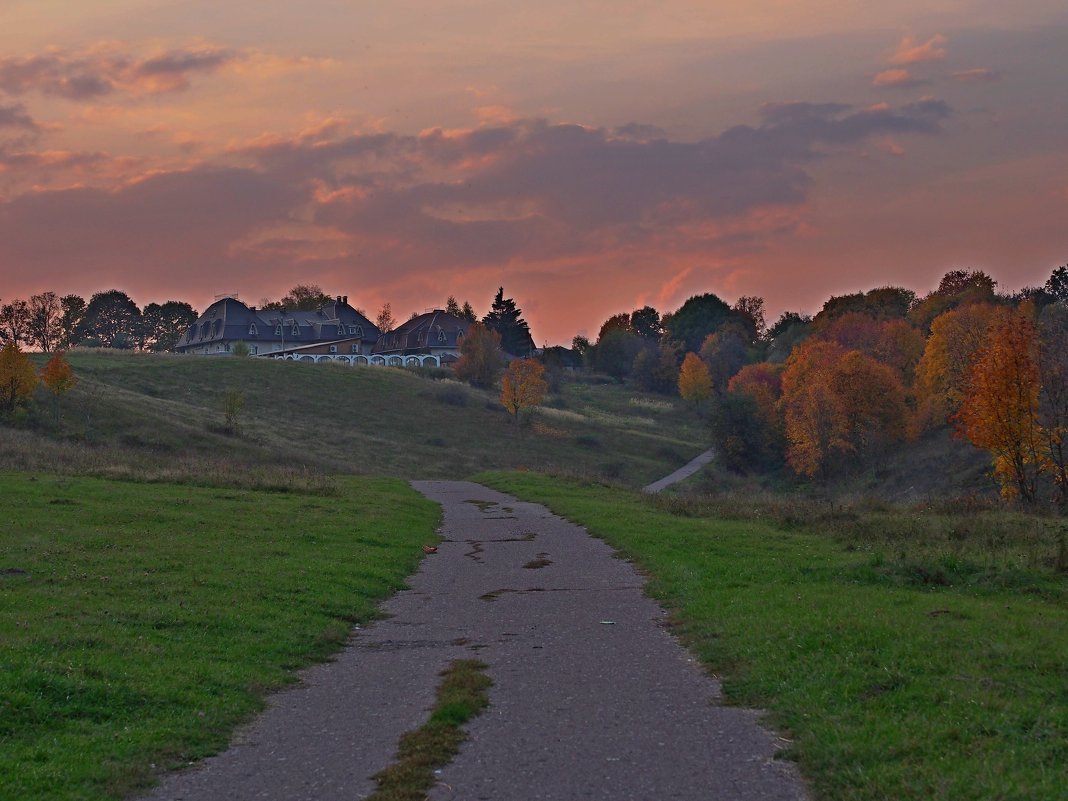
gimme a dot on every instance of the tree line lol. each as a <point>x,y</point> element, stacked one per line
<point>110,319</point>
<point>832,394</point>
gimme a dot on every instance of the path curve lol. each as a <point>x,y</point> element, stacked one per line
<point>592,698</point>
<point>685,471</point>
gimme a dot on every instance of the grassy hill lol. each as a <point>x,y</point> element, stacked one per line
<point>161,417</point>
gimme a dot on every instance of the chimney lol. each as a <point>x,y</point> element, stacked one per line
<point>345,299</point>
<point>339,298</point>
<point>252,309</point>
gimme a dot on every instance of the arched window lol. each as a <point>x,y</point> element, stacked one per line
<point>252,329</point>
<point>278,330</point>
<point>358,331</point>
<point>295,331</point>
<point>441,335</point>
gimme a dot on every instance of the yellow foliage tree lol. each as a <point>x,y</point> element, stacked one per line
<point>523,386</point>
<point>1000,409</point>
<point>943,372</point>
<point>480,356</point>
<point>59,377</point>
<point>18,379</point>
<point>695,381</point>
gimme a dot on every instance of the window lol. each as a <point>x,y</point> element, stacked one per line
<point>333,348</point>
<point>253,350</point>
<point>356,348</point>
<point>252,329</point>
<point>340,330</point>
<point>441,335</point>
<point>295,331</point>
<point>278,330</point>
<point>356,330</point>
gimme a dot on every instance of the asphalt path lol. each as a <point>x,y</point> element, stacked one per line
<point>592,697</point>
<point>687,470</point>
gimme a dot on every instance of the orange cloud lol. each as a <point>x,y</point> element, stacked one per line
<point>909,51</point>
<point>897,78</point>
<point>977,75</point>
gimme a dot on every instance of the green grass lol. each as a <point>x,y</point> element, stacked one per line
<point>889,689</point>
<point>160,416</point>
<point>141,622</point>
<point>462,694</point>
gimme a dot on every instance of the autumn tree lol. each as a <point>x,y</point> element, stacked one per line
<point>384,321</point>
<point>1053,393</point>
<point>17,378</point>
<point>943,372</point>
<point>656,368</point>
<point>480,356</point>
<point>695,382</point>
<point>43,324</point>
<point>839,406</point>
<point>749,311</point>
<point>746,425</point>
<point>58,377</point>
<point>999,412</point>
<point>523,386</point>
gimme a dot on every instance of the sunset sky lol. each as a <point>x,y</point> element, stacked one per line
<point>592,157</point>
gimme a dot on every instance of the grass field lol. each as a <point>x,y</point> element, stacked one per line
<point>161,416</point>
<point>891,686</point>
<point>141,622</point>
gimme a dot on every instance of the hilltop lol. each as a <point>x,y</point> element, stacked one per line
<point>160,417</point>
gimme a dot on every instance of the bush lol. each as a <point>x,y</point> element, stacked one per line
<point>451,395</point>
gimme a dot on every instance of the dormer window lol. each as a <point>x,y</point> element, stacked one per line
<point>357,330</point>
<point>340,330</point>
<point>252,329</point>
<point>441,335</point>
<point>278,330</point>
<point>295,331</point>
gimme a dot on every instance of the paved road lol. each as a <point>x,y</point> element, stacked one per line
<point>592,699</point>
<point>687,470</point>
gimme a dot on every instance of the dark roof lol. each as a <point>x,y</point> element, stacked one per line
<point>229,320</point>
<point>433,329</point>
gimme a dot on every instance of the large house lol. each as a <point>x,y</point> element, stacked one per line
<point>334,332</point>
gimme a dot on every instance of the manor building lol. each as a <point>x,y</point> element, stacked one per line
<point>334,332</point>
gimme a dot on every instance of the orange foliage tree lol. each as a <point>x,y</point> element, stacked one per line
<point>523,386</point>
<point>695,381</point>
<point>17,378</point>
<point>943,371</point>
<point>763,383</point>
<point>58,376</point>
<point>839,404</point>
<point>999,412</point>
<point>1053,395</point>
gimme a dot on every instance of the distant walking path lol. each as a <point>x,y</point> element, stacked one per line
<point>685,471</point>
<point>592,699</point>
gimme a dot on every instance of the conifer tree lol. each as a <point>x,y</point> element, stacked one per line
<point>506,319</point>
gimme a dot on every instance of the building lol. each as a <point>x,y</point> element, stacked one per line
<point>335,331</point>
<point>433,337</point>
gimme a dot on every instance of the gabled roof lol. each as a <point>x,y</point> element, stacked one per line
<point>431,330</point>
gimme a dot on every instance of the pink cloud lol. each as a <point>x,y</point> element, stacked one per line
<point>896,78</point>
<point>977,75</point>
<point>909,51</point>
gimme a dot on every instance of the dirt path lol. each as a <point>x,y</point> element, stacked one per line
<point>592,699</point>
<point>685,471</point>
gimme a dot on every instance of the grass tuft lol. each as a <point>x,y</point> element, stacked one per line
<point>462,694</point>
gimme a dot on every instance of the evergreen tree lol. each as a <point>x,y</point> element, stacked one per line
<point>507,320</point>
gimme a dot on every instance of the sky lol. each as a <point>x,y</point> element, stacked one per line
<point>590,157</point>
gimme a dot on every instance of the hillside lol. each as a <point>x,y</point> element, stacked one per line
<point>161,416</point>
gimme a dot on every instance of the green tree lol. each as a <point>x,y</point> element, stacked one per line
<point>112,320</point>
<point>72,310</point>
<point>43,326</point>
<point>506,319</point>
<point>1057,284</point>
<point>163,325</point>
<point>645,322</point>
<point>14,322</point>
<point>698,317</point>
